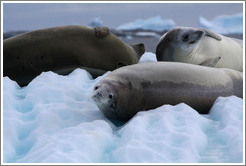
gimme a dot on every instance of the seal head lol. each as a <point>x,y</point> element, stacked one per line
<point>179,40</point>
<point>188,45</point>
<point>106,100</point>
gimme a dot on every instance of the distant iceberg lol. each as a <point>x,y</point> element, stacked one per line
<point>96,22</point>
<point>153,23</point>
<point>224,24</point>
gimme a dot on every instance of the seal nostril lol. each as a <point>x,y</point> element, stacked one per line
<point>99,94</point>
<point>110,96</point>
<point>96,88</point>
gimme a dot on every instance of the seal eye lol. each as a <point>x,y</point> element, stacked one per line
<point>185,37</point>
<point>192,42</point>
<point>110,96</point>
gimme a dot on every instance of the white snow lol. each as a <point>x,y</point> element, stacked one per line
<point>54,120</point>
<point>224,24</point>
<point>148,57</point>
<point>154,23</point>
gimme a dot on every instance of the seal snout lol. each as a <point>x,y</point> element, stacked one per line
<point>97,94</point>
<point>101,95</point>
<point>105,99</point>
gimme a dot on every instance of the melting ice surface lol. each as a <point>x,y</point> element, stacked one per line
<point>54,120</point>
<point>224,24</point>
<point>153,23</point>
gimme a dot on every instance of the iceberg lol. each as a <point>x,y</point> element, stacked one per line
<point>96,22</point>
<point>54,120</point>
<point>224,24</point>
<point>153,24</point>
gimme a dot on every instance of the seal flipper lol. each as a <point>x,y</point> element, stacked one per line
<point>94,71</point>
<point>139,50</point>
<point>211,34</point>
<point>102,32</point>
<point>120,64</point>
<point>211,62</point>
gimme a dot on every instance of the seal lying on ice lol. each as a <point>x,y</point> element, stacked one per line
<point>201,47</point>
<point>63,49</point>
<point>128,90</point>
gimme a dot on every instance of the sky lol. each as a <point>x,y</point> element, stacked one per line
<point>32,16</point>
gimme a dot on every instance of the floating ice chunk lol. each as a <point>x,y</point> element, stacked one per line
<point>148,57</point>
<point>224,24</point>
<point>153,23</point>
<point>96,22</point>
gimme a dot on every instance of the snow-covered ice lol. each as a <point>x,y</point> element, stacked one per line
<point>154,23</point>
<point>54,120</point>
<point>148,57</point>
<point>224,24</point>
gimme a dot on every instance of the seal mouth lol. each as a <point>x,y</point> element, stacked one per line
<point>100,98</point>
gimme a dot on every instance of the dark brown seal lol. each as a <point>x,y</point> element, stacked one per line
<point>63,49</point>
